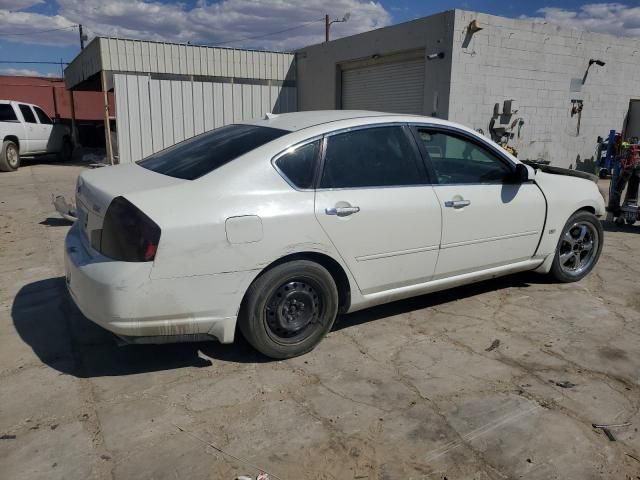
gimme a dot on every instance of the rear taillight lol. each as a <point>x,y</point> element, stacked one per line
<point>128,234</point>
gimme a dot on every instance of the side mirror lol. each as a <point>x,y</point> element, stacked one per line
<point>521,173</point>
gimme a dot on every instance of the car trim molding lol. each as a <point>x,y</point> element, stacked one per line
<point>376,256</point>
<point>490,239</point>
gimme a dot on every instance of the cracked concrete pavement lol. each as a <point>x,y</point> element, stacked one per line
<point>410,390</point>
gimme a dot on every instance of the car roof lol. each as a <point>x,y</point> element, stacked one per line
<point>300,120</point>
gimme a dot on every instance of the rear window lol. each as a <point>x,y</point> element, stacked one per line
<point>7,114</point>
<point>200,155</point>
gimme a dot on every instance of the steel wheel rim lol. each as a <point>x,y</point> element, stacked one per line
<point>578,248</point>
<point>293,311</point>
<point>12,156</point>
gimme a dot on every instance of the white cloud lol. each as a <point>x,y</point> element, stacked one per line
<point>228,22</point>
<point>24,72</point>
<point>613,18</point>
<point>18,4</point>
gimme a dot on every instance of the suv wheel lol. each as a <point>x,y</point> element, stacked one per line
<point>9,156</point>
<point>289,309</point>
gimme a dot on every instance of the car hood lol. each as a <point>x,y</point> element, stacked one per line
<point>561,171</point>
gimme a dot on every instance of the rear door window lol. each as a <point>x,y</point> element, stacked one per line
<point>27,113</point>
<point>371,157</point>
<point>7,114</point>
<point>200,155</point>
<point>43,117</point>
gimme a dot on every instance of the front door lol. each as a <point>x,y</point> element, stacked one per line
<point>375,203</point>
<point>50,142</point>
<point>488,220</point>
<point>33,143</point>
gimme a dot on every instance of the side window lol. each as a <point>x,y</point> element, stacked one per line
<point>43,117</point>
<point>27,113</point>
<point>7,114</point>
<point>299,165</point>
<point>457,160</point>
<point>372,157</point>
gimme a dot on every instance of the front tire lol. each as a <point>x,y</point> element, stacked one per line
<point>9,156</point>
<point>578,249</point>
<point>289,309</point>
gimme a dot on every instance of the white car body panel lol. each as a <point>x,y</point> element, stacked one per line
<point>33,138</point>
<point>220,231</point>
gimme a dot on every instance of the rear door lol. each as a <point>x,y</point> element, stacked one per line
<point>51,143</point>
<point>33,142</point>
<point>488,219</point>
<point>376,204</point>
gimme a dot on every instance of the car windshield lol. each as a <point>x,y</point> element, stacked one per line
<point>200,155</point>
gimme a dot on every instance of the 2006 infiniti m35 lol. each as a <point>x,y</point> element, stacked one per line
<point>277,225</point>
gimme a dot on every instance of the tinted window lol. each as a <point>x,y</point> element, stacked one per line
<point>373,157</point>
<point>299,165</point>
<point>28,115</point>
<point>457,160</point>
<point>7,114</point>
<point>200,155</point>
<point>43,117</point>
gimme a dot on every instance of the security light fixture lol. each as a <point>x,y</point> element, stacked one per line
<point>598,62</point>
<point>433,56</point>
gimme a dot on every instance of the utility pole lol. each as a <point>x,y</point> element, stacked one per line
<point>328,23</point>
<point>82,37</point>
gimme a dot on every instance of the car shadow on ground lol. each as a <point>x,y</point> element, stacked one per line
<point>608,226</point>
<point>48,321</point>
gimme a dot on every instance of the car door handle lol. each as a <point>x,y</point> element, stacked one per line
<point>341,211</point>
<point>457,203</point>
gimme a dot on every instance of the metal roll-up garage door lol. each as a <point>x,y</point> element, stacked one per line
<point>388,87</point>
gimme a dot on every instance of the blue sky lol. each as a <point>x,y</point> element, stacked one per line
<point>47,29</point>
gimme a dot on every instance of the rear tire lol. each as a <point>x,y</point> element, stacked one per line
<point>578,249</point>
<point>9,157</point>
<point>289,309</point>
<point>67,150</point>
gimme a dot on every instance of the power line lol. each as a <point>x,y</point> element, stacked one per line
<point>33,62</point>
<point>270,33</point>
<point>38,32</point>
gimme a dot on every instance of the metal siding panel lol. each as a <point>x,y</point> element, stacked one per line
<point>237,64</point>
<point>292,99</point>
<point>187,109</point>
<point>247,108</point>
<point>161,51</point>
<point>224,63</point>
<point>245,64</point>
<point>146,132</point>
<point>155,104</point>
<point>198,108</point>
<point>208,106</point>
<point>177,110</point>
<point>138,63</point>
<point>392,87</point>
<point>218,105</point>
<point>238,103</point>
<point>227,102</point>
<point>197,61</point>
<point>189,60</point>
<point>166,103</point>
<point>134,117</point>
<point>266,99</point>
<point>105,55</point>
<point>122,114</point>
<point>175,59</point>
<point>130,61</point>
<point>146,57</point>
<point>211,62</point>
<point>275,100</point>
<point>256,101</point>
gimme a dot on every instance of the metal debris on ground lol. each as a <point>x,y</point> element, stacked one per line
<point>495,344</point>
<point>606,429</point>
<point>64,208</point>
<point>564,384</point>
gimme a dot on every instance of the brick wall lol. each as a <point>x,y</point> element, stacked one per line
<point>534,64</point>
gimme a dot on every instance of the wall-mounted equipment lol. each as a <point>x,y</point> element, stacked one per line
<point>599,63</point>
<point>433,56</point>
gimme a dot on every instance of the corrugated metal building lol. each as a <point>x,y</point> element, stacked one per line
<point>167,92</point>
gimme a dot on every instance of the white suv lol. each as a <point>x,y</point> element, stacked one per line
<point>25,130</point>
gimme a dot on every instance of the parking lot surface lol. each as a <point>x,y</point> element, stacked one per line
<point>501,379</point>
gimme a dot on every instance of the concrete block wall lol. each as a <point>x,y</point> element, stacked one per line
<point>534,64</point>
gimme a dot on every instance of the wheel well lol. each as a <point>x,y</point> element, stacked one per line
<point>332,266</point>
<point>586,209</point>
<point>12,138</point>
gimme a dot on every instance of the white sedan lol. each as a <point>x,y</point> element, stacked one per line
<point>277,225</point>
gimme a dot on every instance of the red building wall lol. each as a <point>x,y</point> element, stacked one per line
<point>50,94</point>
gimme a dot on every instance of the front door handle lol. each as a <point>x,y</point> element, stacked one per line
<point>341,211</point>
<point>457,203</point>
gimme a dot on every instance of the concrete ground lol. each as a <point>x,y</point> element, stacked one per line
<point>501,380</point>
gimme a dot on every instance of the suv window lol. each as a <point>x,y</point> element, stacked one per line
<point>7,114</point>
<point>43,117</point>
<point>27,113</point>
<point>200,155</point>
<point>457,160</point>
<point>372,157</point>
<point>298,166</point>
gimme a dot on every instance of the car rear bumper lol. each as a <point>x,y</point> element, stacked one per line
<point>123,298</point>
